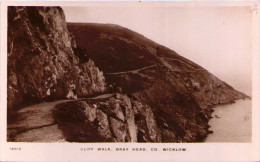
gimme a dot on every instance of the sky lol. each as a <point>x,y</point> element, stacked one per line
<point>216,38</point>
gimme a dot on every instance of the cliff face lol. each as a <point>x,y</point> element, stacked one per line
<point>42,58</point>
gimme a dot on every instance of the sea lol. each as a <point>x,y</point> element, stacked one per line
<point>232,123</point>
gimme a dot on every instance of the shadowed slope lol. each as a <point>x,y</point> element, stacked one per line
<point>179,91</point>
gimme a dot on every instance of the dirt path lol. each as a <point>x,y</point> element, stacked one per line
<point>132,71</point>
<point>32,120</point>
<point>107,95</point>
<point>163,60</point>
<point>35,123</point>
<point>172,59</point>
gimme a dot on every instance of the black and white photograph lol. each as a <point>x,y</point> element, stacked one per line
<point>159,74</point>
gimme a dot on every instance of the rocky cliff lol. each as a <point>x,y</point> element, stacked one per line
<point>155,95</point>
<point>42,59</point>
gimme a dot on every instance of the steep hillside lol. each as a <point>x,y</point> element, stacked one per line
<point>127,49</point>
<point>42,59</point>
<point>154,95</point>
<point>179,92</point>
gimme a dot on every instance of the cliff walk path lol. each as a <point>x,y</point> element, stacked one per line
<point>163,61</point>
<point>36,123</point>
<point>132,71</point>
<point>172,59</point>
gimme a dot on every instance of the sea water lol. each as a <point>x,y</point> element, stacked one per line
<point>232,123</point>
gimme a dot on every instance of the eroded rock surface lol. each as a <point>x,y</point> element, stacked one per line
<point>42,58</point>
<point>132,122</point>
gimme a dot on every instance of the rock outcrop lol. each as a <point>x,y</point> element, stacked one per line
<point>42,59</point>
<point>115,119</point>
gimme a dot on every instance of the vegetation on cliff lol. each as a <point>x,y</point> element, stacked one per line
<point>154,95</point>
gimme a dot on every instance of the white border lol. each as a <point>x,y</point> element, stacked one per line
<point>71,151</point>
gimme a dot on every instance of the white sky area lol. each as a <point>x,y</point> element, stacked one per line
<point>217,38</point>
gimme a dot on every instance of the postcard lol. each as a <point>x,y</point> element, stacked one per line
<point>129,81</point>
